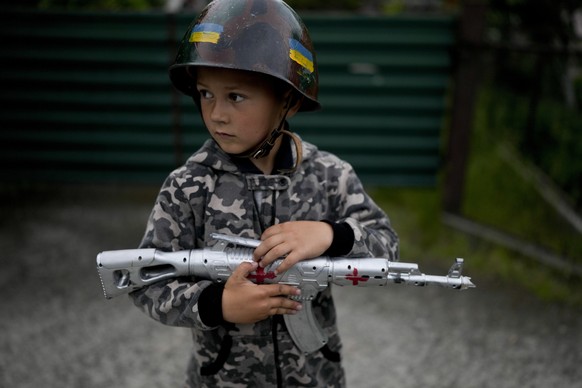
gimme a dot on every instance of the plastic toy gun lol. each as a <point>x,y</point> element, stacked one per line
<point>124,271</point>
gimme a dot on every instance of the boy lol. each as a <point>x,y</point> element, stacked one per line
<point>249,66</point>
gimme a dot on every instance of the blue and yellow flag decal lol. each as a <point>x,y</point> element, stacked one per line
<point>301,55</point>
<point>206,33</point>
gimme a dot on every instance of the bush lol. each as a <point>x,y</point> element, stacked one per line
<point>553,143</point>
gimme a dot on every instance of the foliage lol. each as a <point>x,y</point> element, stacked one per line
<point>541,21</point>
<point>495,192</point>
<point>545,29</point>
<point>553,144</point>
<point>536,88</point>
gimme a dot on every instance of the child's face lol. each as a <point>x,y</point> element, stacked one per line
<point>239,108</point>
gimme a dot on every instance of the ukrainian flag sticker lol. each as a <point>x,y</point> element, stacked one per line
<point>301,55</point>
<point>206,33</point>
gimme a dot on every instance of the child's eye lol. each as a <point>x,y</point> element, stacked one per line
<point>205,94</point>
<point>234,97</point>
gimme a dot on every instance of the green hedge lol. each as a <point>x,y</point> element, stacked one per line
<point>554,142</point>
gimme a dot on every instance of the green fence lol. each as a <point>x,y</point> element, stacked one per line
<point>86,96</point>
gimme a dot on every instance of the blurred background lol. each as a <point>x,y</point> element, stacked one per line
<point>463,119</point>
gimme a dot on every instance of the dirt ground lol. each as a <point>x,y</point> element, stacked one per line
<point>57,330</point>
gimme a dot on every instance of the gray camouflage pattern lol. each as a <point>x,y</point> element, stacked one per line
<point>210,195</point>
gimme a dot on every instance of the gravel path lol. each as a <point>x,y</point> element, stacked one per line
<point>59,331</point>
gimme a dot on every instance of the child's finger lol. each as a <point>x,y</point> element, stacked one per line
<point>266,246</point>
<point>282,290</point>
<point>289,262</point>
<point>244,270</point>
<point>285,306</point>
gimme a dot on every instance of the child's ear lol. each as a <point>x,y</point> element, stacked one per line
<point>292,103</point>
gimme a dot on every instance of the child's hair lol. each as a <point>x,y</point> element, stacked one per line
<point>262,36</point>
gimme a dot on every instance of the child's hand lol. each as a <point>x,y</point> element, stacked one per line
<point>246,302</point>
<point>299,240</point>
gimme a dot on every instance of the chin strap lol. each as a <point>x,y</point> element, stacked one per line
<point>267,145</point>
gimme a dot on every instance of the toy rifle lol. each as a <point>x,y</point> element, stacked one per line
<point>124,271</point>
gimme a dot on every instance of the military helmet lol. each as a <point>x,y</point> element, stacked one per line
<point>264,36</point>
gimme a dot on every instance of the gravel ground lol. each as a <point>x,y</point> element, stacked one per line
<point>57,330</point>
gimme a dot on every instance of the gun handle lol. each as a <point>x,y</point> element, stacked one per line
<point>305,330</point>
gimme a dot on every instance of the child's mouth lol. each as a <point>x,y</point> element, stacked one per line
<point>224,135</point>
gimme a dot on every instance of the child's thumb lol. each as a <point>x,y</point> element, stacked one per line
<point>244,269</point>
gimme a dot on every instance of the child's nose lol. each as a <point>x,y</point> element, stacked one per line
<point>218,111</point>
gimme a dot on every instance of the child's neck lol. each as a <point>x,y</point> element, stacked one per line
<point>267,164</point>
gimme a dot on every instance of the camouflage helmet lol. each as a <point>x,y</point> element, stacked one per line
<point>264,36</point>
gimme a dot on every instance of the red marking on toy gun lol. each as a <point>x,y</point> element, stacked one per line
<point>260,275</point>
<point>355,278</point>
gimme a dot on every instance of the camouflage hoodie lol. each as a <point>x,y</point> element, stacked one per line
<point>212,193</point>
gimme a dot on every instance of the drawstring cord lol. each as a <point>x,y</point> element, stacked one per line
<point>298,151</point>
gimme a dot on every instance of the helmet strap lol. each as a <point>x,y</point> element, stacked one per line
<point>265,147</point>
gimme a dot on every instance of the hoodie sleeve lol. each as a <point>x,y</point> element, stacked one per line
<point>175,302</point>
<point>372,230</point>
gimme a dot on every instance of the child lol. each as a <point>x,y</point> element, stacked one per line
<point>249,66</point>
